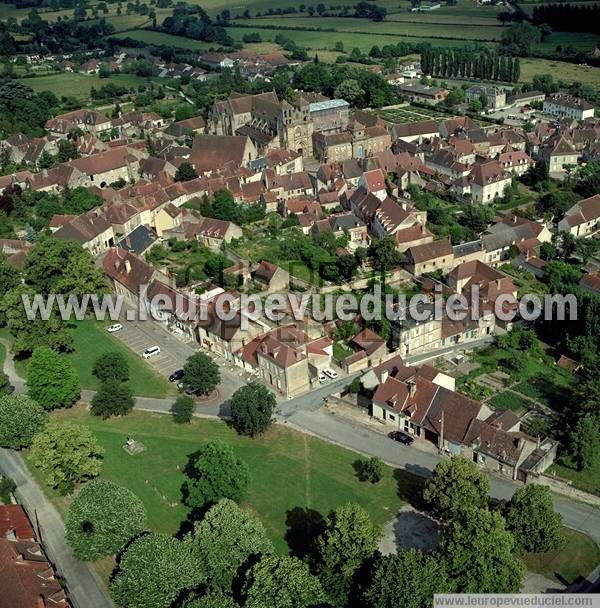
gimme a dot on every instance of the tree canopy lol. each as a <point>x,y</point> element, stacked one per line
<point>252,408</point>
<point>534,523</point>
<point>281,582</point>
<point>111,366</point>
<point>201,373</point>
<point>113,398</point>
<point>457,484</point>
<point>479,553</point>
<point>225,541</point>
<point>348,540</point>
<point>102,518</point>
<point>153,571</point>
<point>51,379</point>
<point>20,419</point>
<point>215,472</point>
<point>408,579</point>
<point>66,453</point>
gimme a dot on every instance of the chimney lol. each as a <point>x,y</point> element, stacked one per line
<point>127,266</point>
<point>412,388</point>
<point>384,375</point>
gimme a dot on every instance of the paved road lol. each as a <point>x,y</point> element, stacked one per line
<point>317,421</point>
<point>85,588</point>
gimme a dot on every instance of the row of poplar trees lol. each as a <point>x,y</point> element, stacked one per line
<point>457,63</point>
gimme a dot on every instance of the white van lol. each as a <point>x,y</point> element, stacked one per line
<point>150,352</point>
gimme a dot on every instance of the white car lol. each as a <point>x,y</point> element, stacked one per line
<point>322,377</point>
<point>113,328</point>
<point>331,373</point>
<point>150,352</point>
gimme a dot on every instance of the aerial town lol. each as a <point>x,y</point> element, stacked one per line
<point>299,305</point>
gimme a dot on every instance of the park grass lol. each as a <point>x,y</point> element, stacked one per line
<point>576,560</point>
<point>92,340</point>
<point>290,470</point>
<point>79,85</point>
<point>560,70</point>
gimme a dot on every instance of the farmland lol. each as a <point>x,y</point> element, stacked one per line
<point>560,70</point>
<point>159,38</point>
<point>78,85</point>
<point>388,28</point>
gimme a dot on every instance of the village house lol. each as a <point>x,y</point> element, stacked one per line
<point>107,167</point>
<point>91,230</point>
<point>558,153</point>
<point>281,358</point>
<point>516,162</point>
<point>129,275</point>
<point>415,131</point>
<point>330,115</point>
<point>271,278</point>
<point>345,224</point>
<point>28,579</point>
<point>568,106</point>
<point>495,97</point>
<point>583,218</point>
<point>430,257</point>
<point>422,92</point>
<point>84,119</point>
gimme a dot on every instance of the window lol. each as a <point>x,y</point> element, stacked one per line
<point>480,458</point>
<point>392,417</point>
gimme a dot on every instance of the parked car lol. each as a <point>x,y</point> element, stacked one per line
<point>186,388</point>
<point>176,375</point>
<point>151,351</point>
<point>113,328</point>
<point>331,373</point>
<point>322,377</point>
<point>401,437</point>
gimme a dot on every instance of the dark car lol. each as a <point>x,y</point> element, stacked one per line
<point>176,375</point>
<point>401,437</point>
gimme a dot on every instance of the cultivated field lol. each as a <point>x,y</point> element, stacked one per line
<point>158,38</point>
<point>79,85</point>
<point>560,70</point>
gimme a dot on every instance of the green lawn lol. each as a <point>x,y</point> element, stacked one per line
<point>560,70</point>
<point>576,559</point>
<point>588,481</point>
<point>341,351</point>
<point>91,341</point>
<point>79,85</point>
<point>289,470</point>
<point>508,401</point>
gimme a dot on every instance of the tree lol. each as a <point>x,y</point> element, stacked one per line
<point>154,570</point>
<point>102,518</point>
<point>31,332</point>
<point>183,409</point>
<point>385,255</point>
<point>45,161</point>
<point>479,553</point>
<point>584,442</point>
<point>185,173</point>
<point>371,470</point>
<point>212,600</point>
<point>457,484</point>
<point>226,541</point>
<point>201,374</point>
<point>113,398</point>
<point>408,579</point>
<point>531,518</point>
<point>66,453</point>
<point>20,419</point>
<point>348,540</point>
<point>66,151</point>
<point>6,388</point>
<point>350,90</point>
<point>51,379</point>
<point>215,472</point>
<point>111,366</point>
<point>252,409</point>
<point>281,582</point>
